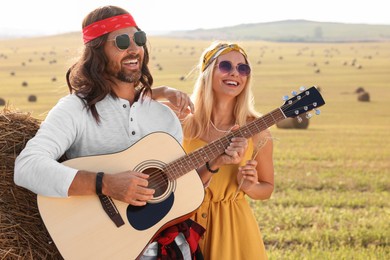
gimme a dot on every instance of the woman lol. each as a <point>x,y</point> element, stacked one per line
<point>223,101</point>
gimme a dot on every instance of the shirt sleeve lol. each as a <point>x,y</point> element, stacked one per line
<point>36,167</point>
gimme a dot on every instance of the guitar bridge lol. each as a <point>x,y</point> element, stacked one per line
<point>111,210</point>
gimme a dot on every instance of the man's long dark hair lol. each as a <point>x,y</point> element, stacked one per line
<point>87,77</point>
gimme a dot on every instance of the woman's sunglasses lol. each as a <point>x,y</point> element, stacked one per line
<point>226,67</point>
<point>122,41</point>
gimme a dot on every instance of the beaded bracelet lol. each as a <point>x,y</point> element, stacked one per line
<point>210,170</point>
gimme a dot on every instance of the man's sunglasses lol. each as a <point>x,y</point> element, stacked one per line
<point>226,67</point>
<point>123,42</point>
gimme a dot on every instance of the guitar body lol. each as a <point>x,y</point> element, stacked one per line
<point>80,227</point>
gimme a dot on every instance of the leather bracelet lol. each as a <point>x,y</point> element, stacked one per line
<point>210,170</point>
<point>99,183</point>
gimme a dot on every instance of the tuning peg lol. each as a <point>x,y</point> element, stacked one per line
<point>299,119</point>
<point>285,98</point>
<point>308,115</point>
<point>302,88</point>
<point>317,111</point>
<point>294,93</point>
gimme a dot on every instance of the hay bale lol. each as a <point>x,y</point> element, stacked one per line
<point>364,97</point>
<point>22,232</point>
<point>32,98</point>
<point>293,123</point>
<point>359,90</point>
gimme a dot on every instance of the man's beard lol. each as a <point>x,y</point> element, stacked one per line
<point>132,77</point>
<point>118,72</point>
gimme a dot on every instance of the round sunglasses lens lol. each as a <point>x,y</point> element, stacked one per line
<point>225,66</point>
<point>122,41</point>
<point>244,69</point>
<point>140,38</point>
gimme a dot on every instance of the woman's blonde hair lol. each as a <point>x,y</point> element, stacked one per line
<point>195,125</point>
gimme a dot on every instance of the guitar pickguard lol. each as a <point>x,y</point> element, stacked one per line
<point>142,218</point>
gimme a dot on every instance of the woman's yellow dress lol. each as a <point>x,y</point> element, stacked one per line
<point>232,231</point>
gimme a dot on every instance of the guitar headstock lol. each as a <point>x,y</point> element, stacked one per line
<point>303,102</point>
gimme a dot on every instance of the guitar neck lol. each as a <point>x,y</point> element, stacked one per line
<point>214,149</point>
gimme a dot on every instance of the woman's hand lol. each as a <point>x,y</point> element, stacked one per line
<point>247,174</point>
<point>234,153</point>
<point>179,101</point>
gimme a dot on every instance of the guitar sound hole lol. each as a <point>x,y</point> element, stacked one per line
<point>157,180</point>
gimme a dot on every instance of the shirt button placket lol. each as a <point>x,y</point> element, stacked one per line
<point>131,120</point>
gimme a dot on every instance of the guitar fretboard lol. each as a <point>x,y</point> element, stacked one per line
<point>211,151</point>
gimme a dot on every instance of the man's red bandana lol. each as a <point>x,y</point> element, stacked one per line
<point>97,29</point>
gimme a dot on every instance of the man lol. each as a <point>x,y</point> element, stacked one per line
<point>109,109</point>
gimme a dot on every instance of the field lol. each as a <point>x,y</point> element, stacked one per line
<point>332,193</point>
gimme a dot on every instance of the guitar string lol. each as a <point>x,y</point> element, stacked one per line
<point>161,183</point>
<point>168,167</point>
<point>268,121</point>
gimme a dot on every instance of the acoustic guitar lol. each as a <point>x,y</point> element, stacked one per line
<point>82,229</point>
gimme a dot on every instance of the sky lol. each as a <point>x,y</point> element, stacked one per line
<point>48,17</point>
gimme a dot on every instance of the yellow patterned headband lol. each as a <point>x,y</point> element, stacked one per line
<point>220,49</point>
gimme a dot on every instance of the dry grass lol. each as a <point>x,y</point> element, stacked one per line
<point>331,198</point>
<point>22,232</point>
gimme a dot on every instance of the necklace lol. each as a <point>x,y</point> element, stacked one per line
<point>220,130</point>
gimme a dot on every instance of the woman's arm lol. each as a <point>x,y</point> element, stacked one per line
<point>233,154</point>
<point>258,173</point>
<point>177,100</point>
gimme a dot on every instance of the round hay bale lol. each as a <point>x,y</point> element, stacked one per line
<point>32,98</point>
<point>24,84</point>
<point>2,102</point>
<point>364,97</point>
<point>359,90</point>
<point>285,123</point>
<point>293,123</point>
<point>22,232</point>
